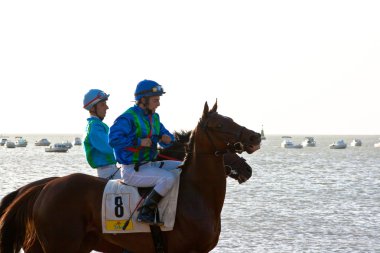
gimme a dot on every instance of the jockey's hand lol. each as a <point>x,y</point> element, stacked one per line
<point>166,139</point>
<point>146,142</point>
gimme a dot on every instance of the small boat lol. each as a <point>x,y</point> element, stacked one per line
<point>287,143</point>
<point>377,145</point>
<point>3,141</point>
<point>338,145</point>
<point>42,142</point>
<point>262,133</point>
<point>57,147</point>
<point>356,143</point>
<point>308,142</point>
<point>67,144</point>
<point>10,144</point>
<point>21,142</point>
<point>77,141</point>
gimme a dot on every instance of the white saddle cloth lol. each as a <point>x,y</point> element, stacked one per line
<point>120,200</point>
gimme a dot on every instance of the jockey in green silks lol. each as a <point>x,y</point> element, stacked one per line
<point>134,137</point>
<point>99,153</point>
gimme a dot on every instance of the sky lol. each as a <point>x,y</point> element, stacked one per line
<point>293,67</point>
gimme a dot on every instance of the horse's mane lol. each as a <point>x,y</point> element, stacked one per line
<point>185,137</point>
<point>189,153</point>
<point>182,136</point>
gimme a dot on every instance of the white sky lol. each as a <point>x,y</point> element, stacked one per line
<point>297,67</point>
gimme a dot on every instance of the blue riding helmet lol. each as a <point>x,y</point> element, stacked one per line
<point>93,97</point>
<point>148,88</point>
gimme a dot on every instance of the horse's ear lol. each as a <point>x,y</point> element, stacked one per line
<point>205,110</point>
<point>215,107</point>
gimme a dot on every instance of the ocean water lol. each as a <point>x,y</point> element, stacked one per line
<point>298,200</point>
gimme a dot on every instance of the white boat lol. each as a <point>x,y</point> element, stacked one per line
<point>377,145</point>
<point>287,143</point>
<point>309,142</point>
<point>10,144</point>
<point>3,141</point>
<point>338,145</point>
<point>21,142</point>
<point>77,141</point>
<point>42,142</point>
<point>356,143</point>
<point>67,144</point>
<point>57,147</point>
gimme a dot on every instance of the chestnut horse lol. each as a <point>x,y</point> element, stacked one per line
<point>235,166</point>
<point>66,211</point>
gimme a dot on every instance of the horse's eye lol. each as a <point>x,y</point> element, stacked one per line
<point>219,126</point>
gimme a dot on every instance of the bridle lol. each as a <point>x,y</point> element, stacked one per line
<point>230,147</point>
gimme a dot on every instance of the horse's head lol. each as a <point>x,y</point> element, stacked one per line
<point>226,135</point>
<point>237,167</point>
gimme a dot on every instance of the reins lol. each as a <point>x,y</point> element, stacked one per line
<point>168,157</point>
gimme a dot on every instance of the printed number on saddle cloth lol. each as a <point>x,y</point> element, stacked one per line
<point>118,211</point>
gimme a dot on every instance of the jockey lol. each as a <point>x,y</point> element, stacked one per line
<point>134,137</point>
<point>99,154</point>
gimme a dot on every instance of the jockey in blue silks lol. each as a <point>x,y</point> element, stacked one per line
<point>134,137</point>
<point>99,153</point>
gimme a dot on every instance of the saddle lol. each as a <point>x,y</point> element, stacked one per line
<point>120,202</point>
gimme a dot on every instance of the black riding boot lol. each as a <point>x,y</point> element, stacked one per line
<point>149,210</point>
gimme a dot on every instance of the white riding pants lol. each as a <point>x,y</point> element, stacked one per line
<point>156,174</point>
<point>108,171</point>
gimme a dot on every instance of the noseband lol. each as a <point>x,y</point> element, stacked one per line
<point>230,147</point>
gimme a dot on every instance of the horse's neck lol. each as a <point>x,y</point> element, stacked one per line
<point>203,180</point>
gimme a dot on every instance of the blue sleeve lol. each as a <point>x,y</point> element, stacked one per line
<point>163,131</point>
<point>122,133</point>
<point>99,139</point>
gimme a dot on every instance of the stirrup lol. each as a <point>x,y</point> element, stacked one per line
<point>155,221</point>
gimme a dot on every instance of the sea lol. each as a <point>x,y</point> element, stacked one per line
<point>312,199</point>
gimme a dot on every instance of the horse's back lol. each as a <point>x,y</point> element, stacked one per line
<point>70,192</point>
<point>74,199</point>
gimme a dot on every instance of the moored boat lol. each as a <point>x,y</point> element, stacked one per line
<point>3,141</point>
<point>338,145</point>
<point>57,147</point>
<point>77,141</point>
<point>42,142</point>
<point>287,143</point>
<point>67,144</point>
<point>21,142</point>
<point>309,142</point>
<point>10,144</point>
<point>356,143</point>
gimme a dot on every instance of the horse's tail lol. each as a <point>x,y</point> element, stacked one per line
<point>16,230</point>
<point>7,200</point>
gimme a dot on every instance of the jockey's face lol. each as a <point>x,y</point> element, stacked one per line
<point>100,109</point>
<point>152,103</point>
